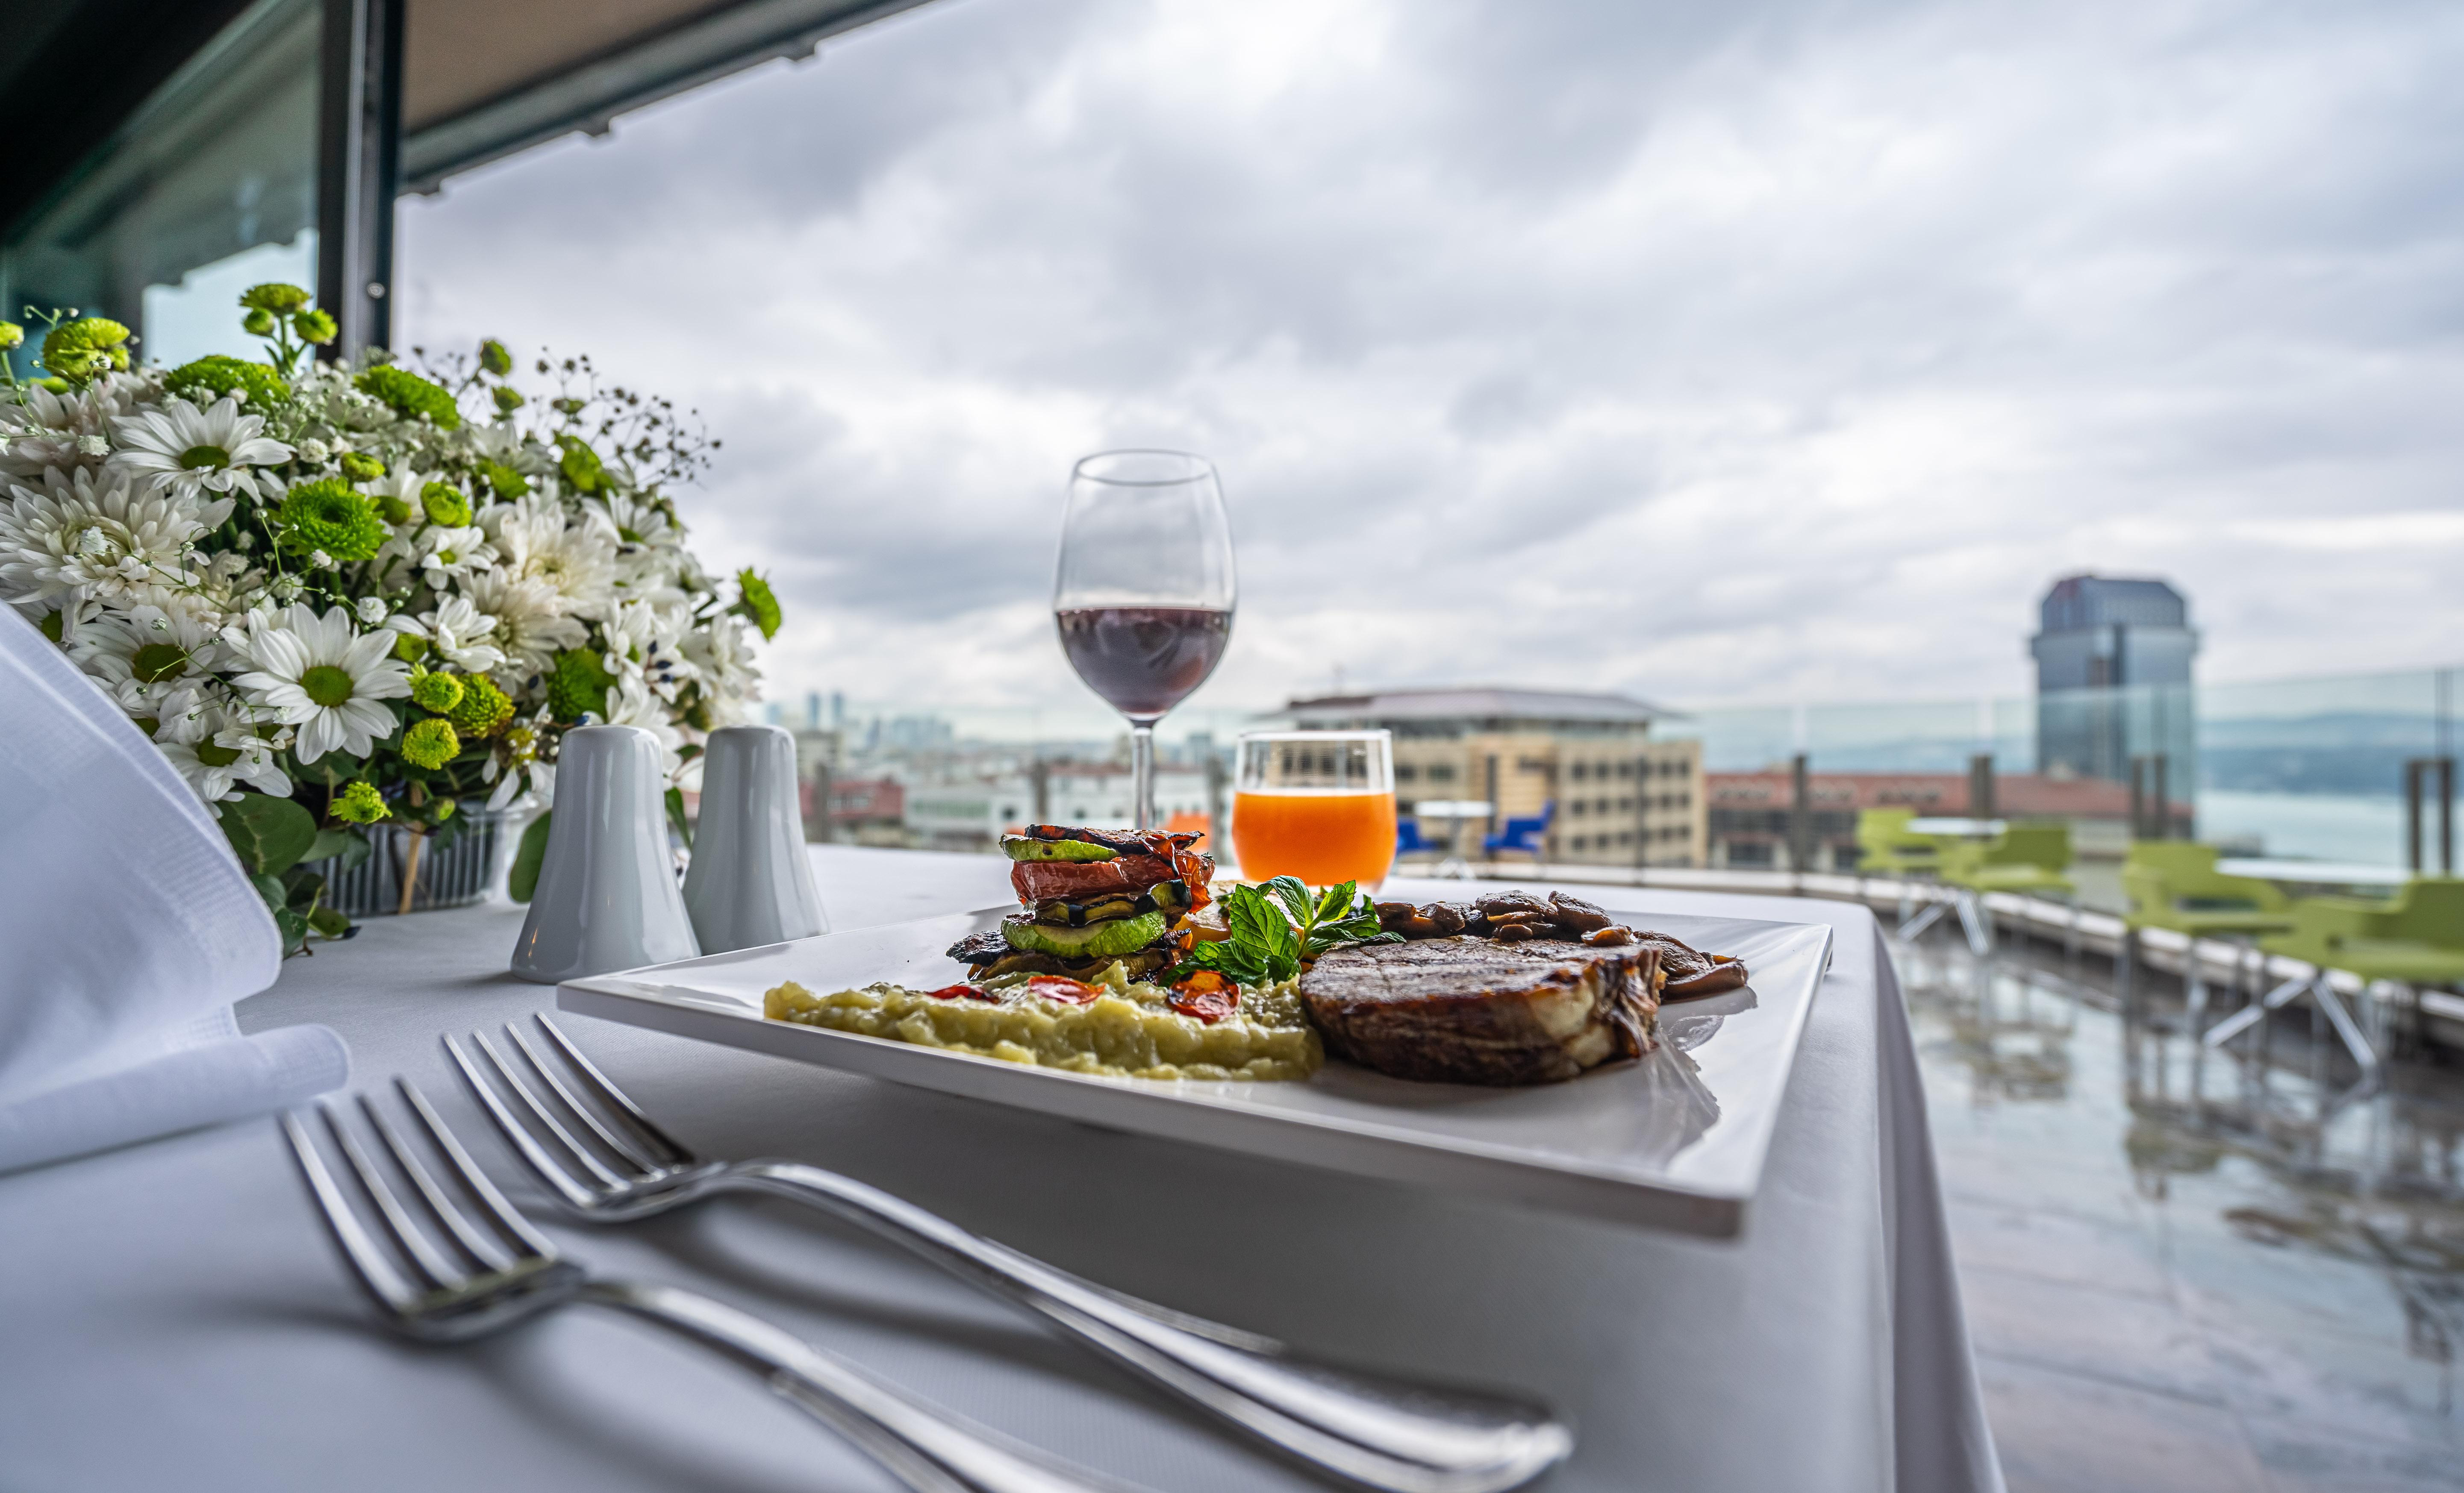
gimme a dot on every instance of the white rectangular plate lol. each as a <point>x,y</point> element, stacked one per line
<point>1675,1141</point>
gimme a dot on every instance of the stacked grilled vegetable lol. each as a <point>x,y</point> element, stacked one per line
<point>1093,898</point>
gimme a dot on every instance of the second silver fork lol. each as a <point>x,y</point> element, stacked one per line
<point>1379,1432</point>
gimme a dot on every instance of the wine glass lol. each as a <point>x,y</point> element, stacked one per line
<point>1143,590</point>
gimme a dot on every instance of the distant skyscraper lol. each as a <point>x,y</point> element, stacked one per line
<point>813,711</point>
<point>2113,680</point>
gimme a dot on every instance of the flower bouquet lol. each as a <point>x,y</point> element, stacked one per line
<point>342,597</point>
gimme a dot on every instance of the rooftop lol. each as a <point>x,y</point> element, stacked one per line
<point>1477,702</point>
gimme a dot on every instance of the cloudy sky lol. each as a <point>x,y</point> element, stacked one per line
<point>1757,352</point>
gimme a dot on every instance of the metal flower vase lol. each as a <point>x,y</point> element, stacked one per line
<point>452,874</point>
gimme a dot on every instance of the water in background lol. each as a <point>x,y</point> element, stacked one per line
<point>2314,826</point>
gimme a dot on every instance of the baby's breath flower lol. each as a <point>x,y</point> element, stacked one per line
<point>371,609</point>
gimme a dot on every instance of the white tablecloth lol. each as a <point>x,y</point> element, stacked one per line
<point>171,1316</point>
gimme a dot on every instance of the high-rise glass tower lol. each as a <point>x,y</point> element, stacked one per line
<point>2113,680</point>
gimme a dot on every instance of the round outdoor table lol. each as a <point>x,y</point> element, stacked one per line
<point>1462,811</point>
<point>1958,829</point>
<point>2314,873</point>
<point>174,1317</point>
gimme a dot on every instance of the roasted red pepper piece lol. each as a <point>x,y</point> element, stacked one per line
<point>961,989</point>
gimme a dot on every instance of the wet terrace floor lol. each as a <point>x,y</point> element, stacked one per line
<point>2185,1272</point>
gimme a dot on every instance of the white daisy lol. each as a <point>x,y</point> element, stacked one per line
<point>322,675</point>
<point>720,653</point>
<point>85,531</point>
<point>447,554</point>
<point>457,632</point>
<point>152,659</point>
<point>215,749</point>
<point>190,450</point>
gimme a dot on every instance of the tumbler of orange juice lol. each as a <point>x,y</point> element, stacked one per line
<point>1315,805</point>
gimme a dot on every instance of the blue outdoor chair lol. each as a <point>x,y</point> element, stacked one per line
<point>1408,841</point>
<point>1523,836</point>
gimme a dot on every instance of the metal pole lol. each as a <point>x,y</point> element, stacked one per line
<point>1980,785</point>
<point>1800,815</point>
<point>358,170</point>
<point>2413,776</point>
<point>2138,798</point>
<point>2161,793</point>
<point>2447,816</point>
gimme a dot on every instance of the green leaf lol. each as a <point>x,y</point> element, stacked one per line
<point>1259,924</point>
<point>1336,903</point>
<point>270,834</point>
<point>277,895</point>
<point>348,844</point>
<point>294,928</point>
<point>1294,895</point>
<point>329,923</point>
<point>303,888</point>
<point>676,817</point>
<point>523,880</point>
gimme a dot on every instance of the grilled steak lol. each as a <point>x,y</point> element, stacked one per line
<point>1470,1010</point>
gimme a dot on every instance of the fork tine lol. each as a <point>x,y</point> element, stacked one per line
<point>563,1137</point>
<point>614,1142</point>
<point>543,1166</point>
<point>376,1273</point>
<point>478,1246</point>
<point>506,1216</point>
<point>424,1257</point>
<point>677,1153</point>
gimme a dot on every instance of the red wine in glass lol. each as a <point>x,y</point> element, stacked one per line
<point>1144,660</point>
<point>1143,589</point>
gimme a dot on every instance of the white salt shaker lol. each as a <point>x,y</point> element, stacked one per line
<point>606,898</point>
<point>750,881</point>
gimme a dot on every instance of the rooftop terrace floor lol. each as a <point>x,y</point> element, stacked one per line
<point>2180,1284</point>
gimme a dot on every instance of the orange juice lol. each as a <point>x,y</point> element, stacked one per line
<point>1321,836</point>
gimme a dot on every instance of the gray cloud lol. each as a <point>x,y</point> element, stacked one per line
<point>1718,353</point>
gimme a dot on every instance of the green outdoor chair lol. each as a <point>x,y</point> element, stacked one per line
<point>2027,860</point>
<point>1886,848</point>
<point>2415,940</point>
<point>2174,884</point>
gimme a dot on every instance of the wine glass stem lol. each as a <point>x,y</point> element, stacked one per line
<point>1142,773</point>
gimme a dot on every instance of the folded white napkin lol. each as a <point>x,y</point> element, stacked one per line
<point>127,927</point>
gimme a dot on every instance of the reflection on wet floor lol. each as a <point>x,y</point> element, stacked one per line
<point>2189,1268</point>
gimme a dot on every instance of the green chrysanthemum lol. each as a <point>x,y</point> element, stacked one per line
<point>409,395</point>
<point>508,400</point>
<point>579,687</point>
<point>359,467</point>
<point>445,506</point>
<point>507,483</point>
<point>315,326</point>
<point>326,515</point>
<point>757,603</point>
<point>213,377</point>
<point>484,709</point>
<point>259,322</point>
<point>85,349</point>
<point>430,743</point>
<point>358,804</point>
<point>494,358</point>
<point>410,648</point>
<point>11,335</point>
<point>276,296</point>
<point>438,692</point>
<point>396,509</point>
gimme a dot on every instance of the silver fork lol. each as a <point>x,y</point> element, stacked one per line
<point>1379,1432</point>
<point>466,1278</point>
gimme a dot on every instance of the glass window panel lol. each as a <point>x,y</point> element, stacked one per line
<point>213,181</point>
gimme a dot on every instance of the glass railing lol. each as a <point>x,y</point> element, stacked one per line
<point>2306,768</point>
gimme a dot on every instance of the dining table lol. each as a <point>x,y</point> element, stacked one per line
<point>173,1316</point>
